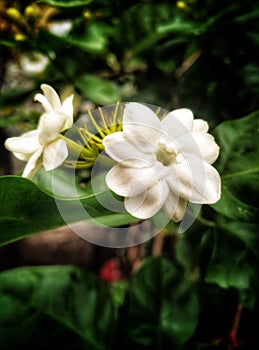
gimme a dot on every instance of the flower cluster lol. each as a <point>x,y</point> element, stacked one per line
<point>162,163</point>
<point>45,146</point>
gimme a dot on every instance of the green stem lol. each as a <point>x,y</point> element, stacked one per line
<point>206,222</point>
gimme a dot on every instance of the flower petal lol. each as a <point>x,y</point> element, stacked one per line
<point>200,125</point>
<point>67,108</point>
<point>129,182</point>
<point>45,103</point>
<point>22,156</point>
<point>54,154</point>
<point>148,203</point>
<point>50,126</point>
<point>175,207</point>
<point>33,164</point>
<point>196,181</point>
<point>200,144</point>
<point>207,146</point>
<point>177,123</point>
<point>120,149</point>
<point>27,143</point>
<point>52,97</point>
<point>141,126</point>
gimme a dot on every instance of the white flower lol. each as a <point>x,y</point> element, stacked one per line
<point>33,63</point>
<point>162,164</point>
<point>44,146</point>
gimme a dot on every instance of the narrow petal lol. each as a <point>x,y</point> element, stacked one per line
<point>67,108</point>
<point>33,164</point>
<point>50,126</point>
<point>52,97</point>
<point>200,125</point>
<point>177,123</point>
<point>27,143</point>
<point>148,203</point>
<point>196,181</point>
<point>200,144</point>
<point>129,182</point>
<point>175,207</point>
<point>45,103</point>
<point>120,149</point>
<point>54,154</point>
<point>141,127</point>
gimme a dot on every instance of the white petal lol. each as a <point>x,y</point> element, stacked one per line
<point>22,156</point>
<point>52,97</point>
<point>120,149</point>
<point>67,108</point>
<point>45,103</point>
<point>200,144</point>
<point>207,146</point>
<point>54,154</point>
<point>175,207</point>
<point>196,181</point>
<point>141,127</point>
<point>50,126</point>
<point>33,164</point>
<point>27,143</point>
<point>148,203</point>
<point>177,123</point>
<point>129,182</point>
<point>200,125</point>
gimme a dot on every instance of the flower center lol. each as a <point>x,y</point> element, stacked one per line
<point>167,152</point>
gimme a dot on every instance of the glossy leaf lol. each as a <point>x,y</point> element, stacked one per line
<point>239,168</point>
<point>61,306</point>
<point>26,209</point>
<point>98,90</point>
<point>235,255</point>
<point>162,309</point>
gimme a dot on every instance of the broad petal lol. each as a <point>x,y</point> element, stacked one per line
<point>27,143</point>
<point>196,181</point>
<point>52,97</point>
<point>208,148</point>
<point>122,150</point>
<point>54,154</point>
<point>141,127</point>
<point>148,203</point>
<point>200,144</point>
<point>50,126</point>
<point>130,182</point>
<point>200,125</point>
<point>175,207</point>
<point>177,123</point>
<point>67,108</point>
<point>33,164</point>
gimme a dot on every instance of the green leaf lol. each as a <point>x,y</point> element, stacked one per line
<point>93,41</point>
<point>68,3</point>
<point>239,168</point>
<point>98,90</point>
<point>61,306</point>
<point>235,256</point>
<point>64,187</point>
<point>27,209</point>
<point>162,309</point>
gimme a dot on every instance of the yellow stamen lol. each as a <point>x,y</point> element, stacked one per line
<point>90,146</point>
<point>96,125</point>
